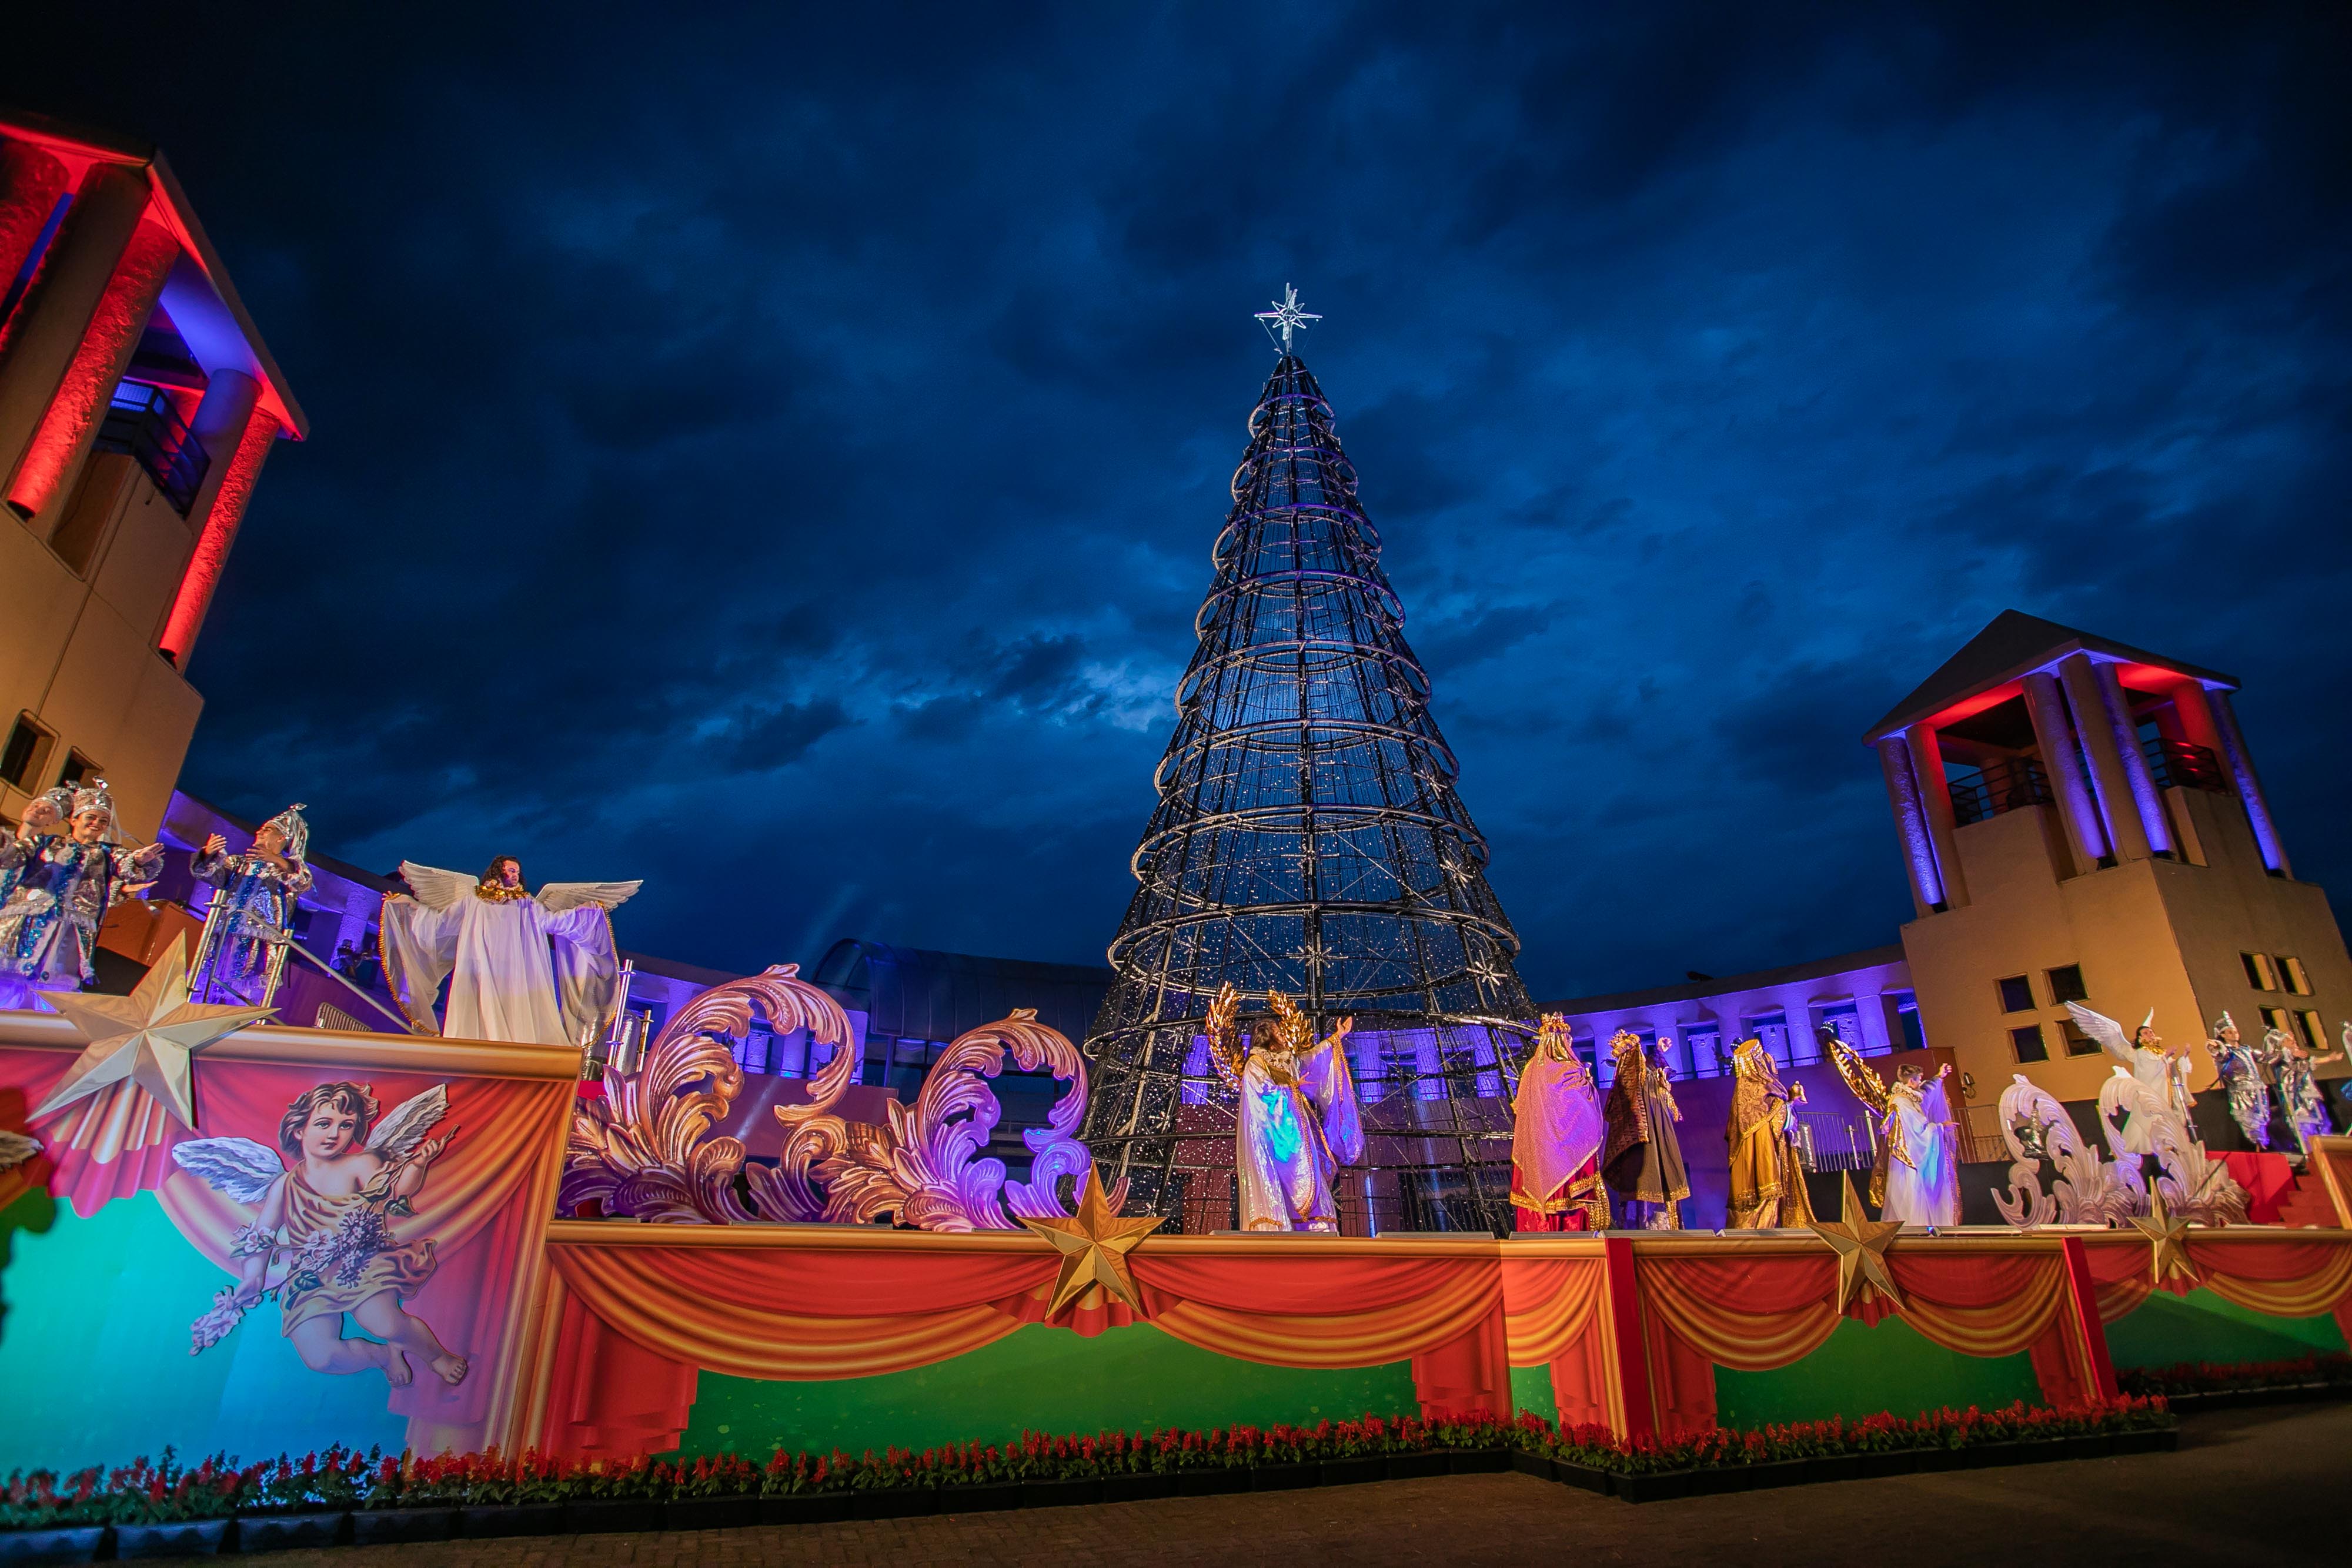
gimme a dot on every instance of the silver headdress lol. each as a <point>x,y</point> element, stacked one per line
<point>2225,1022</point>
<point>295,828</point>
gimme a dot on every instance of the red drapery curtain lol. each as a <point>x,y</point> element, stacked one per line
<point>1756,1313</point>
<point>2285,1274</point>
<point>1554,1313</point>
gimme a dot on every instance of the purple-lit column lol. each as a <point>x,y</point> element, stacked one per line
<point>2240,764</point>
<point>2119,810</point>
<point>2145,795</point>
<point>2053,733</point>
<point>1927,749</point>
<point>1911,822</point>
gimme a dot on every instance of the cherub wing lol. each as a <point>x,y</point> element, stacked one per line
<point>237,1167</point>
<point>2103,1028</point>
<point>435,888</point>
<point>400,1131</point>
<point>558,896</point>
<point>1867,1086</point>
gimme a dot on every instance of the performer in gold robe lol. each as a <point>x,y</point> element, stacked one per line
<point>1767,1184</point>
<point>1555,1131</point>
<point>1296,1122</point>
<point>1642,1154</point>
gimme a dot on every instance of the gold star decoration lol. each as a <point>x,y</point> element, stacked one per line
<point>1094,1247</point>
<point>1861,1245</point>
<point>144,1037</point>
<point>2167,1242</point>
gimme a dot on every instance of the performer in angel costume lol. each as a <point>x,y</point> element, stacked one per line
<point>2150,1084</point>
<point>1556,1134</point>
<point>59,885</point>
<point>1916,1177</point>
<point>496,936</point>
<point>2240,1068</point>
<point>245,931</point>
<point>327,1210</point>
<point>2307,1112</point>
<point>1768,1183</point>
<point>1640,1153</point>
<point>1297,1121</point>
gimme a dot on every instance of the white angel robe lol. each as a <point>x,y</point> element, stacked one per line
<point>1298,1125</point>
<point>542,969</point>
<point>1927,1190</point>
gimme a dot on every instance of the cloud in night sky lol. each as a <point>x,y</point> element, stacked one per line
<point>779,456</point>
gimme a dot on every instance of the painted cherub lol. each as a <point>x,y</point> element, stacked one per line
<point>345,1176</point>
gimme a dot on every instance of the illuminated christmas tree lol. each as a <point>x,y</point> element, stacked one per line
<point>1310,839</point>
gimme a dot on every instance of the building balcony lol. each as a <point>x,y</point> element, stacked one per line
<point>2001,787</point>
<point>2175,764</point>
<point>144,423</point>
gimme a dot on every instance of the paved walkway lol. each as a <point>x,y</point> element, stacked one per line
<point>2266,1485</point>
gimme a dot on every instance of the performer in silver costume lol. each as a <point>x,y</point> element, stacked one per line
<point>2299,1096</point>
<point>2241,1068</point>
<point>245,931</point>
<point>65,875</point>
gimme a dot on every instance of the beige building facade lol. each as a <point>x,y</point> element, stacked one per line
<point>2083,821</point>
<point>137,406</point>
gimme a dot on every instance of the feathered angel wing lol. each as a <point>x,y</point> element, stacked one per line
<point>2103,1028</point>
<point>237,1167</point>
<point>400,1131</point>
<point>558,896</point>
<point>435,888</point>
<point>1867,1086</point>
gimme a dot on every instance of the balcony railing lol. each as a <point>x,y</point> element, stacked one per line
<point>2002,786</point>
<point>2175,764</point>
<point>142,422</point>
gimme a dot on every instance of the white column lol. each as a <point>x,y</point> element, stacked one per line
<point>2118,811</point>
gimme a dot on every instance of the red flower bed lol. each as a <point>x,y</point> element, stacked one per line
<point>341,1479</point>
<point>2236,1376</point>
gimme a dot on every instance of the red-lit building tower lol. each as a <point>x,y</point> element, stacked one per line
<point>137,404</point>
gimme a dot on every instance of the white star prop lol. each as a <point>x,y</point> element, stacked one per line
<point>144,1037</point>
<point>1287,316</point>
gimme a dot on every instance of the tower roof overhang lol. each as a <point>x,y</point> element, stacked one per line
<point>202,301</point>
<point>2013,646</point>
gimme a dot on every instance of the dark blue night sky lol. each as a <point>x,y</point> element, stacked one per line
<point>779,458</point>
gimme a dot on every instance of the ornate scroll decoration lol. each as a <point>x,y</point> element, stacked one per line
<point>2090,1190</point>
<point>646,1152</point>
<point>922,1167</point>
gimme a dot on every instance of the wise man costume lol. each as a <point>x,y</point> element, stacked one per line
<point>1640,1154</point>
<point>1556,1136</point>
<point>1768,1183</point>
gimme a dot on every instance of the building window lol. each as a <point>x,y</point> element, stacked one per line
<point>2314,1034</point>
<point>2016,994</point>
<point>2066,985</point>
<point>78,767</point>
<point>1906,1016</point>
<point>2291,971</point>
<point>2077,1043</point>
<point>2027,1043</point>
<point>2259,972</point>
<point>2275,1019</point>
<point>27,749</point>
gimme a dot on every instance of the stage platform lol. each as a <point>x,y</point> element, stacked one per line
<point>622,1337</point>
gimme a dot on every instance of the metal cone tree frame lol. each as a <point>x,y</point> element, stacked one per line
<point>1308,839</point>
